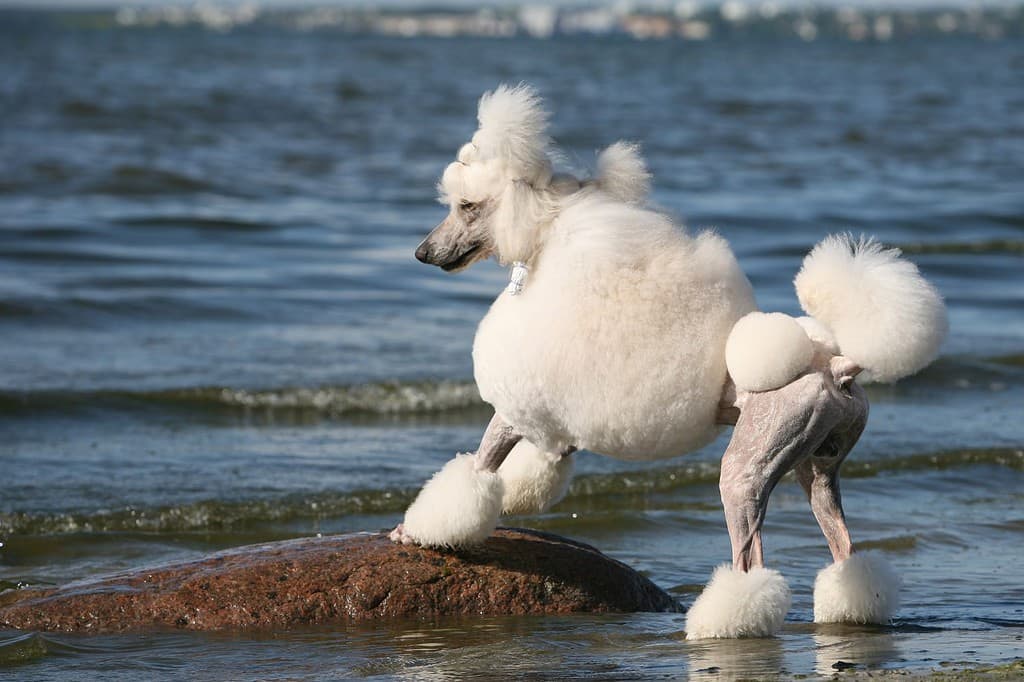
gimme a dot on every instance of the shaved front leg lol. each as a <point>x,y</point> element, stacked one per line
<point>498,440</point>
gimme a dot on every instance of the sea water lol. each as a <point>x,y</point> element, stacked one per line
<point>214,332</point>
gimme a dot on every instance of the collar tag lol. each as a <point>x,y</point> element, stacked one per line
<point>517,280</point>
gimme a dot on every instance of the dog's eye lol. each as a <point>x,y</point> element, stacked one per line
<point>467,205</point>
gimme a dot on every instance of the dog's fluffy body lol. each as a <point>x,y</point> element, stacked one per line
<point>616,344</point>
<point>623,337</point>
<point>625,332</point>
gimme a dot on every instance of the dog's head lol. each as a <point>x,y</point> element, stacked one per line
<point>499,189</point>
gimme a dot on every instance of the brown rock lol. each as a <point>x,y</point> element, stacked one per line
<point>335,579</point>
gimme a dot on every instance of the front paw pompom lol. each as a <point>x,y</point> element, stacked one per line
<point>459,506</point>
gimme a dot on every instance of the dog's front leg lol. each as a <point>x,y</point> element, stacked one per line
<point>461,504</point>
<point>497,442</point>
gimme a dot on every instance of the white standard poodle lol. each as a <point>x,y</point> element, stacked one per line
<point>623,334</point>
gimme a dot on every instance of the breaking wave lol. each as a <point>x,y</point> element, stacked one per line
<point>986,246</point>
<point>381,398</point>
<point>215,515</point>
<point>372,398</point>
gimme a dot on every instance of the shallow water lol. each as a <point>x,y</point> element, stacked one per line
<point>215,332</point>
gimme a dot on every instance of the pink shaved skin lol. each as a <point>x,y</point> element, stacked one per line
<point>808,426</point>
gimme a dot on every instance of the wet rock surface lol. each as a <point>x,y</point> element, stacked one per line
<point>336,579</point>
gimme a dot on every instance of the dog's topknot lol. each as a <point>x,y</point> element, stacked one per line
<point>513,130</point>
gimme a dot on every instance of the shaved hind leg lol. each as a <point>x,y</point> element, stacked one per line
<point>856,587</point>
<point>819,477</point>
<point>776,431</point>
<point>822,488</point>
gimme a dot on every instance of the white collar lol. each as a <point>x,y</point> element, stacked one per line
<point>517,279</point>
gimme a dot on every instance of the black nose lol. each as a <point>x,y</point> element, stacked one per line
<point>423,253</point>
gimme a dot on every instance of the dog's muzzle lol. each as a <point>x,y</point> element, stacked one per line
<point>448,259</point>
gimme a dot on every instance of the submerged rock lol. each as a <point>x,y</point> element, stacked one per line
<point>335,579</point>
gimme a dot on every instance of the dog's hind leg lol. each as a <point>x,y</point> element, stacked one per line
<point>775,432</point>
<point>858,587</point>
<point>819,477</point>
<point>461,504</point>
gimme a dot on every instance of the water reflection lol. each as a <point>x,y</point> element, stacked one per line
<point>841,647</point>
<point>734,659</point>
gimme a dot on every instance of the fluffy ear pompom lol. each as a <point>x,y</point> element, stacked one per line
<point>519,221</point>
<point>766,351</point>
<point>863,589</point>
<point>884,315</point>
<point>739,604</point>
<point>534,480</point>
<point>459,506</point>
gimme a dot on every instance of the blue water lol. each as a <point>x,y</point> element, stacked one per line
<point>214,331</point>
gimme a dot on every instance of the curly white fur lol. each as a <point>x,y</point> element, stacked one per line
<point>622,172</point>
<point>604,269</point>
<point>739,604</point>
<point>863,589</point>
<point>534,480</point>
<point>458,506</point>
<point>884,315</point>
<point>766,351</point>
<point>617,343</point>
<point>513,130</point>
<point>819,335</point>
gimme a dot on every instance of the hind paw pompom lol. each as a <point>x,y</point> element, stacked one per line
<point>739,604</point>
<point>459,506</point>
<point>863,589</point>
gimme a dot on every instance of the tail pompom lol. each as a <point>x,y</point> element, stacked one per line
<point>884,315</point>
<point>622,173</point>
<point>766,351</point>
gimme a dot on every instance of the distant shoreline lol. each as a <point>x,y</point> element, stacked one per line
<point>688,21</point>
